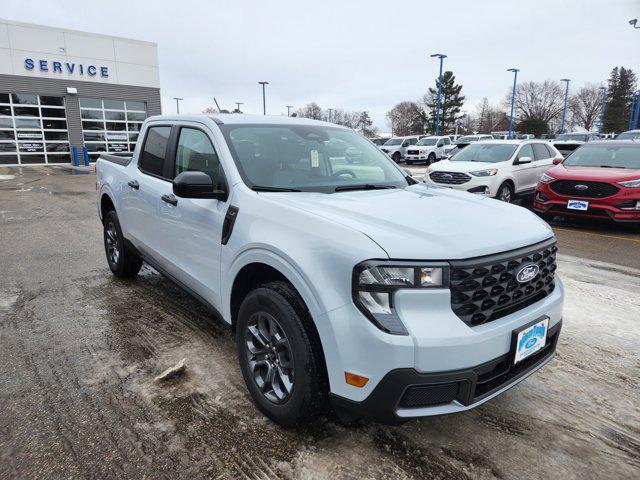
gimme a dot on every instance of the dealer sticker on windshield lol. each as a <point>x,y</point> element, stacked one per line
<point>577,205</point>
<point>530,340</point>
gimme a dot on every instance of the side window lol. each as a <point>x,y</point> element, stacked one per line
<point>447,141</point>
<point>440,143</point>
<point>195,153</point>
<point>526,151</point>
<point>551,151</point>
<point>541,151</point>
<point>154,151</point>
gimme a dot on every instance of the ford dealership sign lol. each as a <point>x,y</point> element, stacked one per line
<point>69,67</point>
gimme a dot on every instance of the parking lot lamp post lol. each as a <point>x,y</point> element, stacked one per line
<point>238,106</point>
<point>566,96</point>
<point>289,107</point>
<point>513,97</point>
<point>635,117</point>
<point>177,99</point>
<point>441,57</point>
<point>604,94</point>
<point>264,101</point>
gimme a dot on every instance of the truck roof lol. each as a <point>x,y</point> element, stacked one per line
<point>243,118</point>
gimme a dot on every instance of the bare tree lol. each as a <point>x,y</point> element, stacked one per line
<point>311,110</point>
<point>486,116</point>
<point>345,118</point>
<point>585,105</point>
<point>537,100</point>
<point>404,118</point>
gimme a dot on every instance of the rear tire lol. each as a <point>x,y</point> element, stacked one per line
<point>122,261</point>
<point>280,356</point>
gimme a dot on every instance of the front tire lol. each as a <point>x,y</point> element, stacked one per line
<point>431,159</point>
<point>396,157</point>
<point>122,262</point>
<point>505,193</point>
<point>280,356</point>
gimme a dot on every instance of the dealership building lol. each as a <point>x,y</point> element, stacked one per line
<point>66,93</point>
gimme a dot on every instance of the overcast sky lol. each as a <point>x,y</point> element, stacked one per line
<point>357,55</point>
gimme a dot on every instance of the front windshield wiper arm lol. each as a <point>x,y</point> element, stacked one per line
<point>364,186</point>
<point>260,188</point>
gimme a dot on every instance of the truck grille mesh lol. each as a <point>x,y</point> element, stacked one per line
<point>486,288</point>
<point>449,178</point>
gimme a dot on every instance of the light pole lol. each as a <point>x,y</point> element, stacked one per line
<point>264,100</point>
<point>441,57</point>
<point>238,106</point>
<point>513,97</point>
<point>566,96</point>
<point>330,110</point>
<point>635,117</point>
<point>631,110</point>
<point>289,107</point>
<point>604,93</point>
<point>177,99</point>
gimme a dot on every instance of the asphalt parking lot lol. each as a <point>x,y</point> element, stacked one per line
<point>79,351</point>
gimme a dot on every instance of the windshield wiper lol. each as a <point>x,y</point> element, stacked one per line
<point>260,188</point>
<point>365,186</point>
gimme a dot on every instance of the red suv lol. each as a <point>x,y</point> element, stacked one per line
<point>599,180</point>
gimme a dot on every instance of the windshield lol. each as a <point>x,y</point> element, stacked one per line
<point>570,137</point>
<point>484,152</point>
<point>628,136</point>
<point>308,158</point>
<point>394,141</point>
<point>467,139</point>
<point>427,142</point>
<point>618,156</point>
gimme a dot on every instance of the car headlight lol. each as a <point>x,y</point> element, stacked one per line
<point>374,285</point>
<point>485,173</point>
<point>630,183</point>
<point>546,178</point>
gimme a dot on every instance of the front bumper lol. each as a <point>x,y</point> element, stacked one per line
<point>406,393</point>
<point>547,201</point>
<point>420,157</point>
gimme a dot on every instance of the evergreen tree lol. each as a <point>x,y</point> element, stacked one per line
<point>451,103</point>
<point>365,123</point>
<point>621,86</point>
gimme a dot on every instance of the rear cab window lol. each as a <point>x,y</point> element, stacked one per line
<point>154,151</point>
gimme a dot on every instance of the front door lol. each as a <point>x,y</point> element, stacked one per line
<point>192,227</point>
<point>525,173</point>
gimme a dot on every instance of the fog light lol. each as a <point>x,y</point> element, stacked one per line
<point>629,205</point>
<point>355,380</point>
<point>540,197</point>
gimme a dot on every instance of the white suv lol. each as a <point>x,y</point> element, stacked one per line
<point>429,150</point>
<point>396,147</point>
<point>504,169</point>
<point>347,285</point>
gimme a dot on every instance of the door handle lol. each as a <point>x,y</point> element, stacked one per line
<point>134,184</point>
<point>169,199</point>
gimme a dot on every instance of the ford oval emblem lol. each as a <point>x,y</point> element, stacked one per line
<point>447,175</point>
<point>581,187</point>
<point>527,273</point>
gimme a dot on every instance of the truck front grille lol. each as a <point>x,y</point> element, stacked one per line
<point>487,288</point>
<point>577,188</point>
<point>449,178</point>
<point>413,152</point>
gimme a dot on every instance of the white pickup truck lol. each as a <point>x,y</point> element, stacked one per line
<point>348,285</point>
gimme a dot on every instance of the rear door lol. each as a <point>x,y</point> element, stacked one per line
<point>543,160</point>
<point>149,179</point>
<point>192,227</point>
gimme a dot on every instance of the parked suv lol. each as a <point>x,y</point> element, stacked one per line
<point>599,180</point>
<point>396,147</point>
<point>503,169</point>
<point>428,150</point>
<point>347,285</point>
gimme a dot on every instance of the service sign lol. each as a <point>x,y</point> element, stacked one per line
<point>71,68</point>
<point>118,147</point>
<point>29,135</point>
<point>31,147</point>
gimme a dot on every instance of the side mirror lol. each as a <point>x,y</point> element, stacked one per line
<point>557,160</point>
<point>522,160</point>
<point>196,185</point>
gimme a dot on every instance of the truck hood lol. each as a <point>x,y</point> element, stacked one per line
<point>421,222</point>
<point>599,174</point>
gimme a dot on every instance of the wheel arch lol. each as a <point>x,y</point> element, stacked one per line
<point>106,203</point>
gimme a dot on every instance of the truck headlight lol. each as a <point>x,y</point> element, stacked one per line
<point>631,183</point>
<point>374,285</point>
<point>485,173</point>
